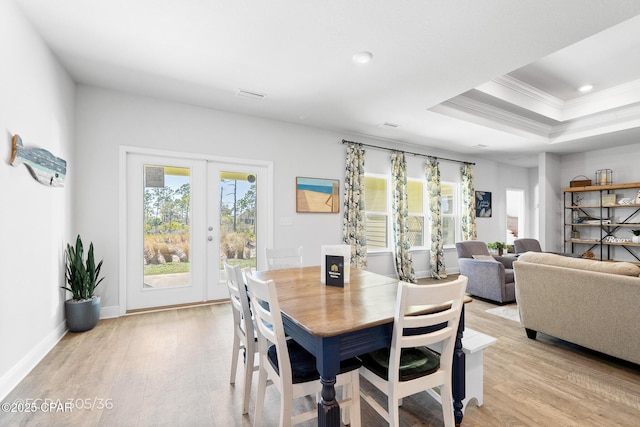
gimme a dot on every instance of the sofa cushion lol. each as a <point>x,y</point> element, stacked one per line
<point>509,276</point>
<point>622,268</point>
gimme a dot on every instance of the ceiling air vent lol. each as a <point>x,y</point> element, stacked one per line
<point>251,95</point>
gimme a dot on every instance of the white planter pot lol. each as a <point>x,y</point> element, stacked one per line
<point>635,239</point>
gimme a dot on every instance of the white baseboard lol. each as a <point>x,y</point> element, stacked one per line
<point>13,377</point>
<point>109,312</point>
<point>427,274</point>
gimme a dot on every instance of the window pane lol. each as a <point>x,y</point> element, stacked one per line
<point>376,227</point>
<point>375,194</point>
<point>448,230</point>
<point>167,204</point>
<point>446,199</point>
<point>414,190</point>
<point>238,218</point>
<point>416,230</point>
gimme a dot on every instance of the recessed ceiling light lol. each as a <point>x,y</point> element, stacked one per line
<point>585,88</point>
<point>362,57</point>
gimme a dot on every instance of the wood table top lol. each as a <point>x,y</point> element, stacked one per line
<point>368,300</point>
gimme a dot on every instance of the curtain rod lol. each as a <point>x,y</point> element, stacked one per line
<point>344,141</point>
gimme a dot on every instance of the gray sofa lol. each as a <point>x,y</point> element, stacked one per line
<point>590,303</point>
<point>490,276</point>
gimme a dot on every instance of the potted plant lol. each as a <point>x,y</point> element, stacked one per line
<point>82,310</point>
<point>636,236</point>
<point>497,246</point>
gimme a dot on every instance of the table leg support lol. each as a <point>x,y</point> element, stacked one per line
<point>328,408</point>
<point>458,373</point>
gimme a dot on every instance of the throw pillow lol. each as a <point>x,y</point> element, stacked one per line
<point>484,257</point>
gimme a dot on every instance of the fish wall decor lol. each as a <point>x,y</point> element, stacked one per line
<point>46,168</point>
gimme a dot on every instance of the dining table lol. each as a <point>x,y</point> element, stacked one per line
<point>336,323</point>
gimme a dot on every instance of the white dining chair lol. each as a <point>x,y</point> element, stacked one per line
<point>244,336</point>
<point>291,368</point>
<point>408,366</point>
<point>284,258</point>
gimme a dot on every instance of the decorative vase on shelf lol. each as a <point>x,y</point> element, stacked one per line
<point>635,239</point>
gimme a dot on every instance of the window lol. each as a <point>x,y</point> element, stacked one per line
<point>378,207</point>
<point>450,212</point>
<point>416,202</point>
<point>376,210</point>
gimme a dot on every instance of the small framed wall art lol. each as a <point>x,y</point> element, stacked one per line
<point>317,195</point>
<point>483,204</point>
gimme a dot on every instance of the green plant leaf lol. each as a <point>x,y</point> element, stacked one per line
<point>82,276</point>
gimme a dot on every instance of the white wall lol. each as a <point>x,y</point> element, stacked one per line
<point>550,199</point>
<point>496,178</point>
<point>37,103</point>
<point>108,119</point>
<point>622,161</point>
<point>86,126</point>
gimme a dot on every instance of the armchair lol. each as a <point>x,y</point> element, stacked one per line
<point>533,245</point>
<point>490,276</point>
<point>525,245</point>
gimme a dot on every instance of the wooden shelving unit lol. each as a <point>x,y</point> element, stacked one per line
<point>597,235</point>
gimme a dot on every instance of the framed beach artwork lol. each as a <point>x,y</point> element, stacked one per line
<point>483,204</point>
<point>317,195</point>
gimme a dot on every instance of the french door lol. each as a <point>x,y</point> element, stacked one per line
<point>184,217</point>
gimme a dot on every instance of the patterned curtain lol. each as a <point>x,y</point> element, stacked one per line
<point>400,216</point>
<point>469,231</point>
<point>353,223</point>
<point>432,170</point>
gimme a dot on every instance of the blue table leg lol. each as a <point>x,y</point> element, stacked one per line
<point>328,408</point>
<point>328,364</point>
<point>458,374</point>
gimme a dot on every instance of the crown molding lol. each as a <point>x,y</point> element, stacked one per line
<point>523,95</point>
<point>465,108</point>
<point>516,92</point>
<point>474,111</point>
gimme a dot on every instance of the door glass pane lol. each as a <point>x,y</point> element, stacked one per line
<point>238,219</point>
<point>167,210</point>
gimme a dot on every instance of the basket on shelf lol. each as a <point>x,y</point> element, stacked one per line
<point>580,182</point>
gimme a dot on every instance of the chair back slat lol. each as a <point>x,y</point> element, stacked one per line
<point>239,299</point>
<point>266,311</point>
<point>406,327</point>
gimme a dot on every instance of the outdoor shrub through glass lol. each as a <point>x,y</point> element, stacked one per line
<point>167,234</point>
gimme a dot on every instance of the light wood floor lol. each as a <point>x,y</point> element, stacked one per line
<point>171,368</point>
